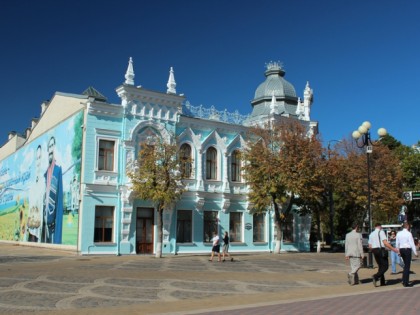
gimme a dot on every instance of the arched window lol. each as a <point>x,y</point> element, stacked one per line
<point>185,159</point>
<point>211,163</point>
<point>235,166</point>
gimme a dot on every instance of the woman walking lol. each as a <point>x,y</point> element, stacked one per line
<point>226,247</point>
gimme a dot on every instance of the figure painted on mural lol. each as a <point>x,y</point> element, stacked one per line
<point>36,203</point>
<point>53,203</point>
<point>74,186</point>
<point>216,247</point>
<point>226,247</point>
<point>354,253</point>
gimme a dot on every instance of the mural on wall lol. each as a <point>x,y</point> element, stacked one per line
<point>40,186</point>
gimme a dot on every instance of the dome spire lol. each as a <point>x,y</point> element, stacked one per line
<point>273,105</point>
<point>129,75</point>
<point>171,85</point>
<point>307,101</point>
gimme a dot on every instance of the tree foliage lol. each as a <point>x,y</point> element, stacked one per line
<point>157,179</point>
<point>76,149</point>
<point>352,187</point>
<point>283,168</point>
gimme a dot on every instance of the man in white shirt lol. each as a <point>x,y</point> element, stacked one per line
<point>378,240</point>
<point>405,244</point>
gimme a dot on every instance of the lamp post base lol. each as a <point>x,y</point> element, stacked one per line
<point>367,263</point>
<point>370,262</point>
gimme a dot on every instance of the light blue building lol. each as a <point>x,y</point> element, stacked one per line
<point>100,214</point>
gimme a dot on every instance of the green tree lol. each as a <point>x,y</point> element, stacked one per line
<point>283,169</point>
<point>352,188</point>
<point>158,179</point>
<point>410,164</point>
<point>390,142</point>
<point>76,149</point>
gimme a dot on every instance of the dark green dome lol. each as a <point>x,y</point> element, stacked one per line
<point>274,82</point>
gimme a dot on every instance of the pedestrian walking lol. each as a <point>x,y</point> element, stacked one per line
<point>406,246</point>
<point>354,253</point>
<point>216,247</point>
<point>378,243</point>
<point>395,257</point>
<point>226,247</point>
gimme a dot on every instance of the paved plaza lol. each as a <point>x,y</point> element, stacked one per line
<point>47,281</point>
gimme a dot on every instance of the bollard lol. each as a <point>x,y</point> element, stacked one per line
<point>318,247</point>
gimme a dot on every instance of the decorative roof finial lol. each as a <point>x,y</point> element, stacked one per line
<point>273,104</point>
<point>274,65</point>
<point>129,75</point>
<point>171,85</point>
<point>308,92</point>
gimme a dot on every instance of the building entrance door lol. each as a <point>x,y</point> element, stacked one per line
<point>144,230</point>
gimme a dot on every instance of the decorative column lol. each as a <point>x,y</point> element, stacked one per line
<point>200,185</point>
<point>226,187</point>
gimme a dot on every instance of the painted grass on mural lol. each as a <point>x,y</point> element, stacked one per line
<point>13,225</point>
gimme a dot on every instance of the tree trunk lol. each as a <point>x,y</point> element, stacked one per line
<point>318,223</point>
<point>277,222</point>
<point>160,232</point>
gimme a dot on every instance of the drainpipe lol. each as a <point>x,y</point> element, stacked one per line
<point>82,179</point>
<point>120,178</point>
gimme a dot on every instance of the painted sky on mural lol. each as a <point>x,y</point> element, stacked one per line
<point>361,57</point>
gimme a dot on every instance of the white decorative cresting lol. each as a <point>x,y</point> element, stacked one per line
<point>129,75</point>
<point>274,65</point>
<point>171,85</point>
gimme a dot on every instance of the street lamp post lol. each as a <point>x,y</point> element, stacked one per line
<point>363,133</point>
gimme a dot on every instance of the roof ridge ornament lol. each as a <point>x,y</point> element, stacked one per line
<point>171,85</point>
<point>129,75</point>
<point>274,65</point>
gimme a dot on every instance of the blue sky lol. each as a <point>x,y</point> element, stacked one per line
<point>361,57</point>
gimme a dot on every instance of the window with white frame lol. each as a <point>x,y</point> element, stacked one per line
<point>235,166</point>
<point>104,224</point>
<point>235,227</point>
<point>211,163</point>
<point>106,155</point>
<point>184,226</point>
<point>210,225</point>
<point>185,159</point>
<point>259,227</point>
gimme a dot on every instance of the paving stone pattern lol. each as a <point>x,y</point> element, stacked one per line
<point>53,283</point>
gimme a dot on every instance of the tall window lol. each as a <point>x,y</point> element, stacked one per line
<point>236,166</point>
<point>184,226</point>
<point>106,155</point>
<point>185,157</point>
<point>211,163</point>
<point>235,227</point>
<point>104,224</point>
<point>210,225</point>
<point>259,227</point>
<point>288,228</point>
